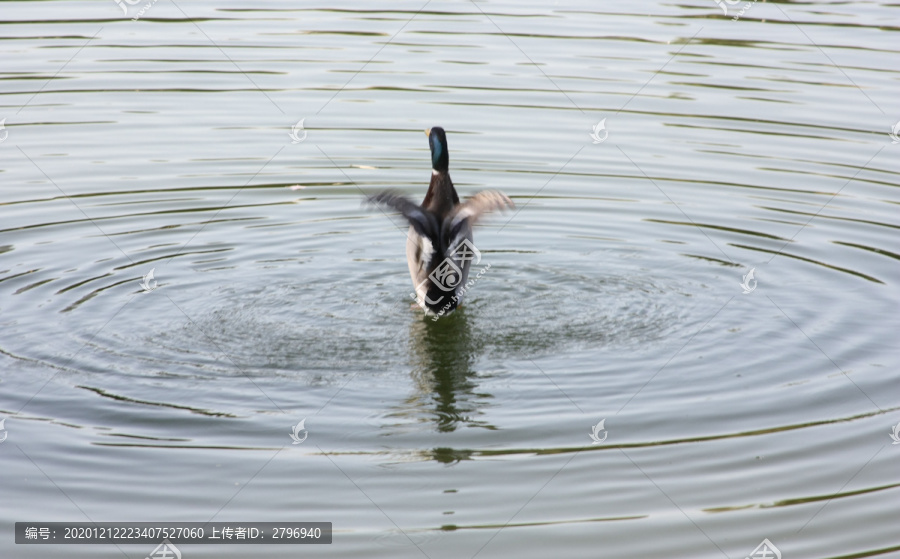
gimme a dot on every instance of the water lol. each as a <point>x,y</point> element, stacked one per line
<point>614,290</point>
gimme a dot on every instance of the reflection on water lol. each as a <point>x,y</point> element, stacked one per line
<point>443,353</point>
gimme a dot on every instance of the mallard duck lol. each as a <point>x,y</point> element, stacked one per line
<point>439,246</point>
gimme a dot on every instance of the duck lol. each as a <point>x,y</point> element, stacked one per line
<point>439,244</point>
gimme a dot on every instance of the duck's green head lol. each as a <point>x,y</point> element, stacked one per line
<point>440,156</point>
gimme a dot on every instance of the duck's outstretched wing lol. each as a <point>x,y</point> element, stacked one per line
<point>469,212</point>
<point>423,221</point>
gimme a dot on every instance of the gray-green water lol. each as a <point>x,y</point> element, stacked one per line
<point>614,291</point>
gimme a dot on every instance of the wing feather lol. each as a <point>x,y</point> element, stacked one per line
<point>471,211</point>
<point>423,221</point>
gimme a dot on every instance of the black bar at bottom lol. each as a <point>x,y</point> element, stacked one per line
<point>30,533</point>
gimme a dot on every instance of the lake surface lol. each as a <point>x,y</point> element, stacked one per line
<point>735,409</point>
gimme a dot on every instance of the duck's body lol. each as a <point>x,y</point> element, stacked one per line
<point>439,245</point>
